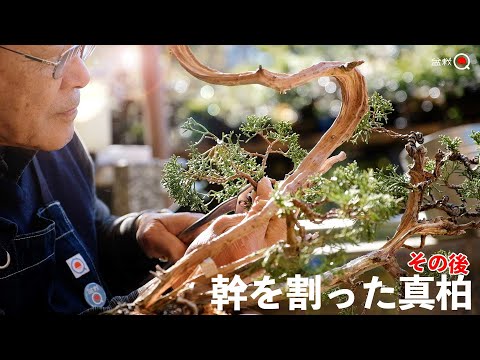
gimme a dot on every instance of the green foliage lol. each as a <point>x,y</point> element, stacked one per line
<point>179,186</point>
<point>278,131</point>
<point>354,194</point>
<point>449,143</point>
<point>328,260</point>
<point>379,108</point>
<point>429,165</point>
<point>325,299</point>
<point>471,188</point>
<point>393,183</point>
<point>295,152</point>
<point>227,163</point>
<point>367,197</point>
<point>449,168</point>
<point>280,264</point>
<point>351,310</point>
<point>195,127</point>
<point>475,135</point>
<point>255,125</point>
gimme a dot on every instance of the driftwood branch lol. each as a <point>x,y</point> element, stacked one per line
<point>409,226</point>
<point>277,81</point>
<point>318,161</point>
<point>195,291</point>
<point>197,267</point>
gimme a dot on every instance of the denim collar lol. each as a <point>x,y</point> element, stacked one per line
<point>13,161</point>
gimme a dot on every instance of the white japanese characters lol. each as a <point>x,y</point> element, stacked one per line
<point>300,289</point>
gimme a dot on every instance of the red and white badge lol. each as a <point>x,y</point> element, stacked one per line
<point>95,295</point>
<point>77,265</point>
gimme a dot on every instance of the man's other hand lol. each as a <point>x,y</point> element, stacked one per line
<point>157,233</point>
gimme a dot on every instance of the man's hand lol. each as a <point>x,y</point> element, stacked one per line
<point>265,236</point>
<point>157,233</point>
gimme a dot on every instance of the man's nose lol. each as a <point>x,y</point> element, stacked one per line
<point>75,74</point>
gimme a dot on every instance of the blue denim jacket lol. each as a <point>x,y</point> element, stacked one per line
<point>32,281</point>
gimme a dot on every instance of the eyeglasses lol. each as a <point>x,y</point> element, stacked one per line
<point>83,50</point>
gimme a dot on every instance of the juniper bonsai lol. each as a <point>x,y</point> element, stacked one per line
<point>313,190</point>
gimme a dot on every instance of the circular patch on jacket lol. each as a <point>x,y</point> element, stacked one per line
<point>95,295</point>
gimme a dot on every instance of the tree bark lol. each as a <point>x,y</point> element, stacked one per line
<point>355,103</point>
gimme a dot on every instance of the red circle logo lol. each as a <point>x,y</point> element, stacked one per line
<point>77,265</point>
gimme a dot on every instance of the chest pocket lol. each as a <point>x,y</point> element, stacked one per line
<point>42,276</point>
<point>27,262</point>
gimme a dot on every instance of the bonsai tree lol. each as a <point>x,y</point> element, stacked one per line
<point>312,190</point>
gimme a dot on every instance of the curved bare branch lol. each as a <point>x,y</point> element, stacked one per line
<point>354,106</point>
<point>277,81</point>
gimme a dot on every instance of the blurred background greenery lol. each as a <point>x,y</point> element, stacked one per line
<point>426,98</point>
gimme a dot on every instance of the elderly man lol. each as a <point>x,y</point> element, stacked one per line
<point>60,248</point>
